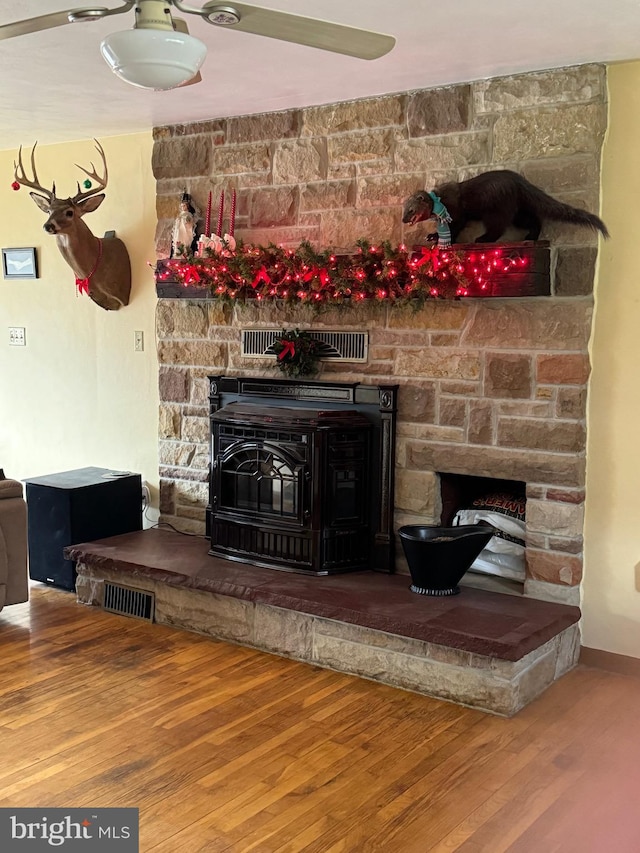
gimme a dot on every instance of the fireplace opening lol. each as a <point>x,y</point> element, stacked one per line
<point>301,474</point>
<point>500,503</point>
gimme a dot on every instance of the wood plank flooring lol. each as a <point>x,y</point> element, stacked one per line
<point>229,750</point>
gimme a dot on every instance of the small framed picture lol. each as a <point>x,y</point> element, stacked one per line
<point>19,263</point>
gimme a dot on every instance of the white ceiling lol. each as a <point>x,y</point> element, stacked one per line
<point>55,87</point>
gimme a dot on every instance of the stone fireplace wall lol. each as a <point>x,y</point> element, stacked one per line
<point>492,388</point>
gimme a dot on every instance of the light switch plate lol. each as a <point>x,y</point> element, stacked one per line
<point>17,337</point>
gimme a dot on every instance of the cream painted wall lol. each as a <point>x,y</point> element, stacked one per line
<point>78,394</point>
<point>611,586</point>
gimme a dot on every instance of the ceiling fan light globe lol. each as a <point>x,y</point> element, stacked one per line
<point>153,59</point>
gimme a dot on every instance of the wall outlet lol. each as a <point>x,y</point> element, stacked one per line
<point>138,341</point>
<point>146,495</point>
<point>17,337</point>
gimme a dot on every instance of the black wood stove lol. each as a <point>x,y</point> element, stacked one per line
<point>302,474</point>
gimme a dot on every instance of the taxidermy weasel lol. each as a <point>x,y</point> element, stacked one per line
<point>497,199</point>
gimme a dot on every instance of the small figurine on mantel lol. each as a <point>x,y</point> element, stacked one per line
<point>184,239</point>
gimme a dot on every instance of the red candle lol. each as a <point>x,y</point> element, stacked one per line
<point>220,213</point>
<point>207,222</point>
<point>232,217</point>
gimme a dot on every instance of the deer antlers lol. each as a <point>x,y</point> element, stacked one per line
<point>102,182</point>
<point>21,177</point>
<point>34,183</point>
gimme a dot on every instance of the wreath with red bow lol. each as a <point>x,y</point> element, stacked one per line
<point>297,353</point>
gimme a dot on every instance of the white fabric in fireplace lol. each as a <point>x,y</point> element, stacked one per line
<point>504,554</point>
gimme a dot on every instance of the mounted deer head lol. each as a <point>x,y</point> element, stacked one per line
<point>101,266</point>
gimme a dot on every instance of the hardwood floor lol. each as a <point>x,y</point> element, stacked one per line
<point>224,748</point>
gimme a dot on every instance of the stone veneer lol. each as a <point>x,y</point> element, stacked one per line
<point>479,681</point>
<point>493,387</point>
<point>489,651</point>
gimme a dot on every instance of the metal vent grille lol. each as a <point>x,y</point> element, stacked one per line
<point>337,346</point>
<point>128,602</point>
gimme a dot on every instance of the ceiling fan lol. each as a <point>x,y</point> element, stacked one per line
<point>158,53</point>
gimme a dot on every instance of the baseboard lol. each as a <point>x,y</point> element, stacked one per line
<point>610,661</point>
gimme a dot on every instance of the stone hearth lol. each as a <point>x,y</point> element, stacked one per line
<point>486,650</point>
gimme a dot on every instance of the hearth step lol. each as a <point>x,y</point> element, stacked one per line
<point>129,602</point>
<point>481,649</point>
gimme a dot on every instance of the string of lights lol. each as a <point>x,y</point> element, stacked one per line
<point>378,272</point>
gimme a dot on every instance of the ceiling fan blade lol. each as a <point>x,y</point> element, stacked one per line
<point>301,30</point>
<point>34,25</point>
<point>181,27</point>
<point>58,19</point>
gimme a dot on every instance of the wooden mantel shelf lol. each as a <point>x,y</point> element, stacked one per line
<point>517,269</point>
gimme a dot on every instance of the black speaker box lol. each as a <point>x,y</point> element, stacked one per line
<point>77,506</point>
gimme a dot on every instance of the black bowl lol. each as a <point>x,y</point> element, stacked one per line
<point>438,557</point>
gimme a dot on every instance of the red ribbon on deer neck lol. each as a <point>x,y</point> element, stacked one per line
<point>82,284</point>
<point>288,348</point>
